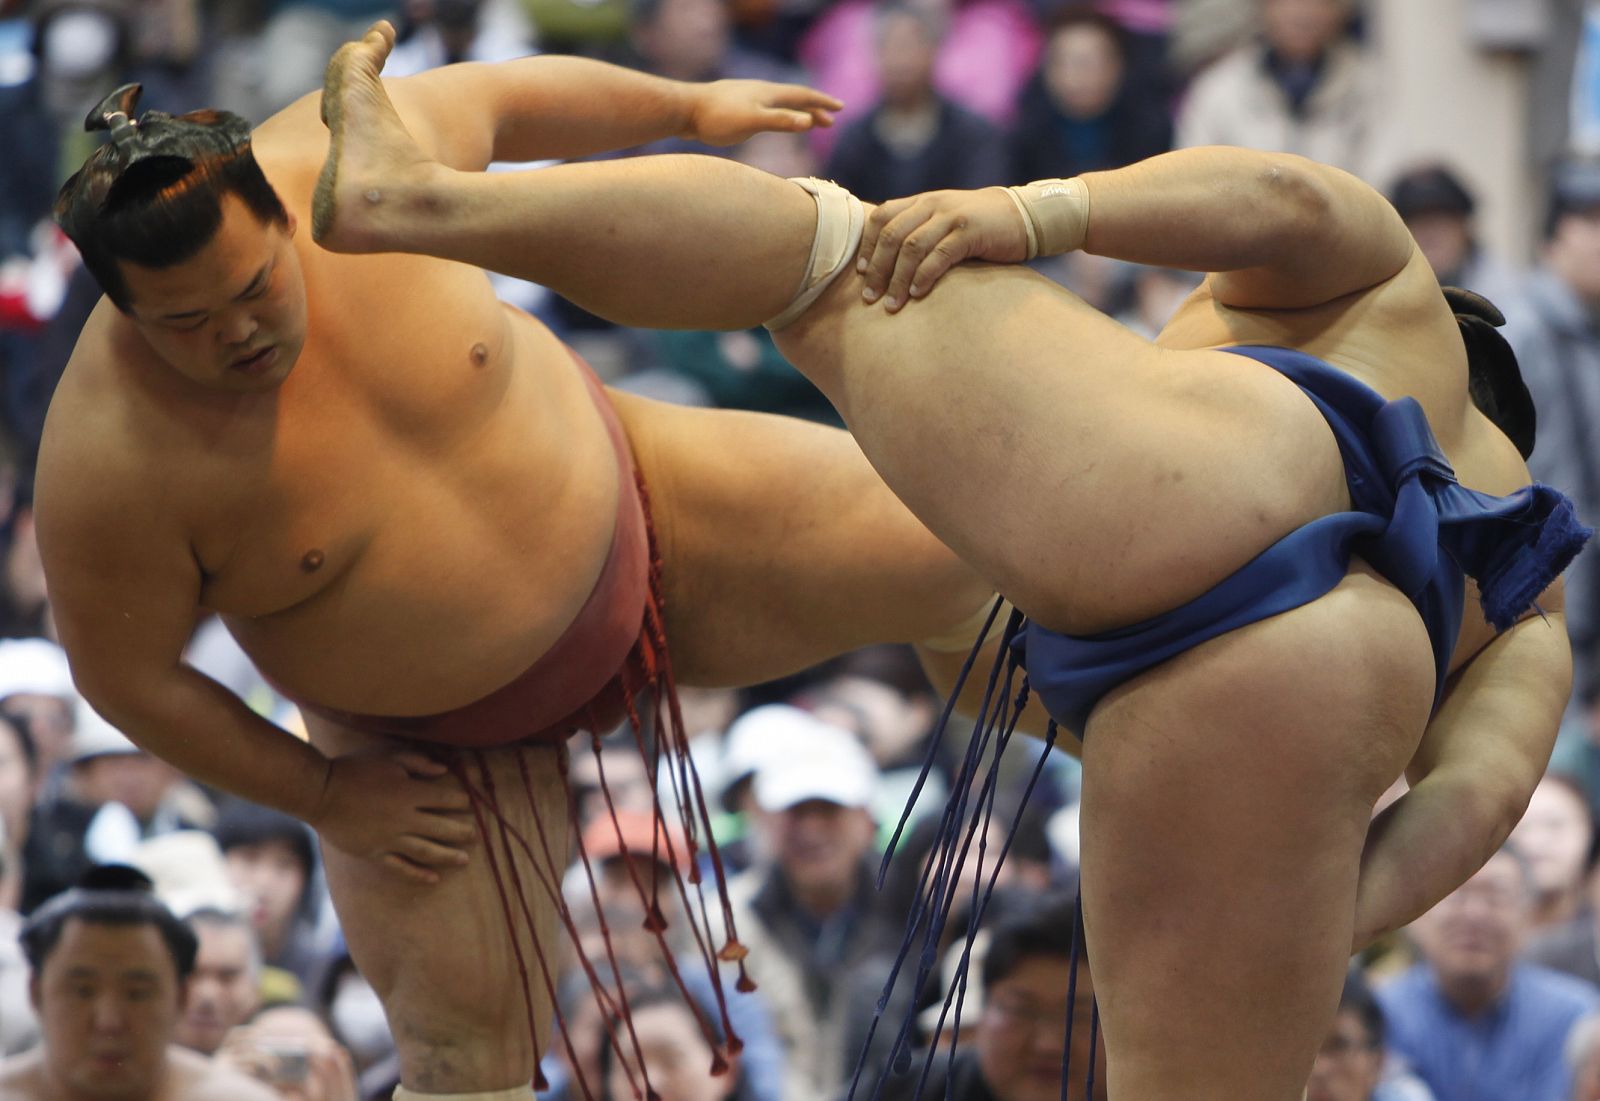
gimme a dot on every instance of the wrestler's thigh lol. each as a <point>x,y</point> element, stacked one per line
<point>440,957</point>
<point>1094,478</point>
<point>1225,806</point>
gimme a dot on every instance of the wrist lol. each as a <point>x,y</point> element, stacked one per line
<point>1055,215</point>
<point>685,100</point>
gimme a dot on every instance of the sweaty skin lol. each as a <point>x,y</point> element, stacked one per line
<point>403,505</point>
<point>1229,858</point>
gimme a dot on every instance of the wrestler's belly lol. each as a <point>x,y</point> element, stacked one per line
<point>442,575</point>
<point>1360,652</point>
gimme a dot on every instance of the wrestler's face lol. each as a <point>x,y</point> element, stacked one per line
<point>1349,1064</point>
<point>233,316</point>
<point>108,1000</point>
<point>1022,1032</point>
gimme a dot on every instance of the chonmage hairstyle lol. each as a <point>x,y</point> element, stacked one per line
<point>1493,378</point>
<point>152,195</point>
<point>112,894</point>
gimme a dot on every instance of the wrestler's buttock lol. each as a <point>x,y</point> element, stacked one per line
<point>1357,658</point>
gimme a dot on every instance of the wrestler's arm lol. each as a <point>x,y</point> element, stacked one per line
<point>1472,775</point>
<point>564,108</point>
<point>1276,230</point>
<point>124,588</point>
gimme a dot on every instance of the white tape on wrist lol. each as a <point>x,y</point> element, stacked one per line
<point>1055,214</point>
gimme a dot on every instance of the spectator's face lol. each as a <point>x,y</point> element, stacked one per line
<point>687,39</point>
<point>1554,835</point>
<point>295,1052</point>
<point>1083,71</point>
<point>222,987</point>
<point>1445,239</point>
<point>136,780</point>
<point>1301,30</point>
<point>208,317</point>
<point>269,874</point>
<point>1472,936</point>
<point>16,785</point>
<point>627,780</point>
<point>819,845</point>
<point>49,719</point>
<point>676,1057</point>
<point>889,723</point>
<point>108,1001</point>
<point>1574,252</point>
<point>906,51</point>
<point>1349,1065</point>
<point>1021,1033</point>
<point>624,908</point>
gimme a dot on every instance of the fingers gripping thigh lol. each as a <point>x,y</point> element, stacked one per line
<point>440,956</point>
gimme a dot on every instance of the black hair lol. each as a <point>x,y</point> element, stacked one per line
<point>243,823</point>
<point>1494,380</point>
<point>1357,998</point>
<point>1085,15</point>
<point>110,894</point>
<point>1050,926</point>
<point>152,195</point>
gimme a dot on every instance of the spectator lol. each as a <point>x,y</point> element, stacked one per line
<point>1018,1050</point>
<point>813,922</point>
<point>1351,1065</point>
<point>988,51</point>
<point>290,1049</point>
<point>672,1036</point>
<point>914,139</point>
<point>273,863</point>
<point>1556,835</point>
<point>1302,88</point>
<point>761,734</point>
<point>19,1027</point>
<point>1472,1020</point>
<point>109,963</point>
<point>356,1019</point>
<point>298,38</point>
<point>1438,210</point>
<point>445,32</point>
<point>1551,327</point>
<point>36,690</point>
<point>1082,113</point>
<point>224,988</point>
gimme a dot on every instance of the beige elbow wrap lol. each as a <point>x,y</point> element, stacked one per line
<point>1055,214</point>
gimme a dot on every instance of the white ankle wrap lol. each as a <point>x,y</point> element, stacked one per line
<point>840,220</point>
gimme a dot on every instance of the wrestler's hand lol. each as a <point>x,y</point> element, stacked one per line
<point>401,809</point>
<point>726,112</point>
<point>908,244</point>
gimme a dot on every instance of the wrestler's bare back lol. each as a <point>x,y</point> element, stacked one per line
<point>418,510</point>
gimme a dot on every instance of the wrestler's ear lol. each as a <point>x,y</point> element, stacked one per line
<point>291,223</point>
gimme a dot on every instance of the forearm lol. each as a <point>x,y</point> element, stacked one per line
<point>1208,209</point>
<point>570,107</point>
<point>197,726</point>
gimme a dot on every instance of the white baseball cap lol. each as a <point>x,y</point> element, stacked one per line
<point>35,667</point>
<point>762,733</point>
<point>829,764</point>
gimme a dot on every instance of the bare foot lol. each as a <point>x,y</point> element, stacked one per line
<point>372,158</point>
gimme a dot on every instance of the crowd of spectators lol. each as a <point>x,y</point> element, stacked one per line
<point>1493,995</point>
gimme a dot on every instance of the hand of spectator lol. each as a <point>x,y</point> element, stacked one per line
<point>400,809</point>
<point>908,244</point>
<point>314,1072</point>
<point>726,112</point>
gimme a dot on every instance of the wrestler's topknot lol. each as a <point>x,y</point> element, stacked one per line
<point>152,195</point>
<point>1494,378</point>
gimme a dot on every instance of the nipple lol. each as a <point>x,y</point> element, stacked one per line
<point>373,196</point>
<point>312,562</point>
<point>480,355</point>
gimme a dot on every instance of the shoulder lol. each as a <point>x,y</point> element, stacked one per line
<point>20,1078</point>
<point>1561,996</point>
